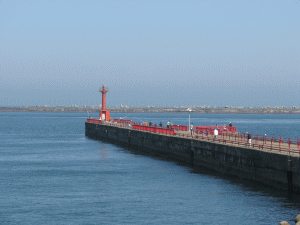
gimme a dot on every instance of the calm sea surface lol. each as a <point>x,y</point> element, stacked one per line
<point>50,173</point>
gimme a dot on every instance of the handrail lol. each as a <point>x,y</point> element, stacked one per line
<point>154,129</point>
<point>90,120</point>
<point>241,140</point>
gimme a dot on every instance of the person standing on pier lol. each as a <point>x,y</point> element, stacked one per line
<point>230,126</point>
<point>168,124</point>
<point>160,124</point>
<point>150,123</point>
<point>146,124</point>
<point>192,127</point>
<point>216,133</point>
<point>265,139</point>
<point>249,138</point>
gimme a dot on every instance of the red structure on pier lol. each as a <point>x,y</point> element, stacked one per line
<point>104,114</point>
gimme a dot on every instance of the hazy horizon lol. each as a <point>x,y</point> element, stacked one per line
<point>149,106</point>
<point>150,53</point>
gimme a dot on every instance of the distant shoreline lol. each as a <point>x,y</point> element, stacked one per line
<point>204,110</point>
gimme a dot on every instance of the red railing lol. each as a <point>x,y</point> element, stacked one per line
<point>200,130</point>
<point>90,120</point>
<point>205,128</point>
<point>220,128</point>
<point>121,121</point>
<point>241,139</point>
<point>154,129</point>
<point>181,127</point>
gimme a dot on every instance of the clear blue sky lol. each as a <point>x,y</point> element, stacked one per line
<point>160,53</point>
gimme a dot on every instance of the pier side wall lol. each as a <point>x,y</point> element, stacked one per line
<point>266,167</point>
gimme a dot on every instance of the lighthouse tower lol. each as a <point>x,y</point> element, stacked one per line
<point>104,114</point>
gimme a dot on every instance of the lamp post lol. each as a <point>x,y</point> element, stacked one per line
<point>189,110</point>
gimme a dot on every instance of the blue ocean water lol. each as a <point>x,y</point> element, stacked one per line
<point>50,173</point>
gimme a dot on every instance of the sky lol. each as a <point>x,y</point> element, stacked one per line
<point>150,53</point>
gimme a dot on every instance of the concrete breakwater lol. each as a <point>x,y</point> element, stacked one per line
<point>278,170</point>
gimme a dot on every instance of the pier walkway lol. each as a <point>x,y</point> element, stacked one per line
<point>279,145</point>
<point>268,144</point>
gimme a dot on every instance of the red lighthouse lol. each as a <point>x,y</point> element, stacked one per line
<point>104,114</point>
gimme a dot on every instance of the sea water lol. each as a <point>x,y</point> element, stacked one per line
<point>51,173</point>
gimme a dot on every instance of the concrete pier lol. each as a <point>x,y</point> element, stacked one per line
<point>277,169</point>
